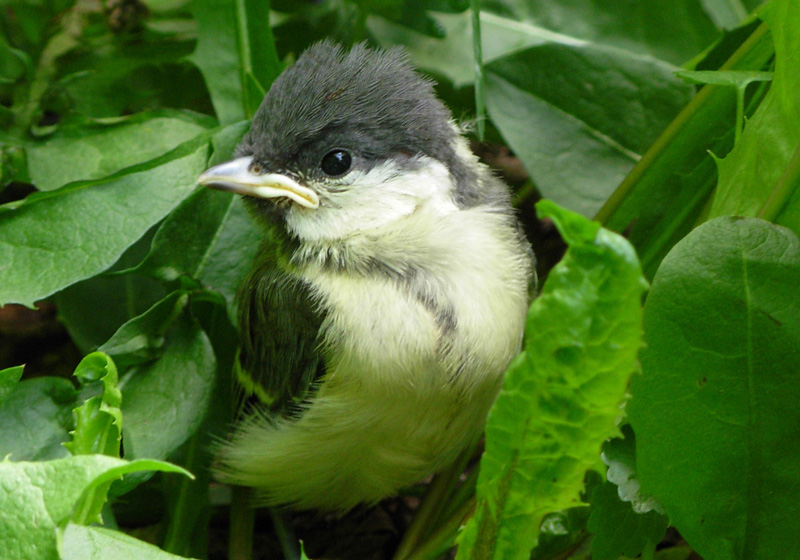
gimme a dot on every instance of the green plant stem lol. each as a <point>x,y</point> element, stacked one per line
<point>242,519</point>
<point>477,50</point>
<point>182,522</point>
<point>786,186</point>
<point>433,504</point>
<point>461,495</point>
<point>285,534</point>
<point>445,536</point>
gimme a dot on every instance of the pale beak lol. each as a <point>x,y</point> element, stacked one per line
<point>236,176</point>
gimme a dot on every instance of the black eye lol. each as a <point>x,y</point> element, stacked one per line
<point>336,162</point>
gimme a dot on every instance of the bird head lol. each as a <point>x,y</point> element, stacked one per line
<point>346,142</point>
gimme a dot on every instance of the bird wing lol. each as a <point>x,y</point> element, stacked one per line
<point>279,323</point>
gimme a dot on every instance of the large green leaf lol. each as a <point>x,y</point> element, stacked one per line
<point>36,498</point>
<point>761,175</point>
<point>236,54</point>
<point>651,28</point>
<point>618,529</point>
<point>663,196</point>
<point>86,150</point>
<point>58,238</point>
<point>715,411</point>
<point>35,419</point>
<point>165,401</point>
<point>566,111</point>
<point>9,377</point>
<point>107,292</point>
<point>96,543</point>
<point>560,398</point>
<point>210,238</point>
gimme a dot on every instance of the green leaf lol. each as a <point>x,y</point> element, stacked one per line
<point>9,378</point>
<point>58,238</point>
<point>96,543</point>
<point>141,339</point>
<point>217,57</point>
<point>738,79</point>
<point>98,421</point>
<point>751,177</point>
<point>120,77</point>
<point>619,455</point>
<point>165,401</point>
<point>121,297</point>
<point>36,498</point>
<point>715,410</point>
<point>579,142</point>
<point>664,195</point>
<point>98,428</point>
<point>560,398</point>
<point>210,238</point>
<point>85,150</point>
<point>618,529</point>
<point>35,419</point>
<point>258,58</point>
<point>725,13</point>
<point>638,28</point>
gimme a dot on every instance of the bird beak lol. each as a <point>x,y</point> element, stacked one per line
<point>236,176</point>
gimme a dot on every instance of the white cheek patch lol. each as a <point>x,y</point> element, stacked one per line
<point>376,199</point>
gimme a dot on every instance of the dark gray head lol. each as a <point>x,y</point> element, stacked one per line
<point>352,141</point>
<point>368,102</point>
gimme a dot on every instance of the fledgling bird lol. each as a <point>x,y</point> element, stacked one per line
<point>390,292</point>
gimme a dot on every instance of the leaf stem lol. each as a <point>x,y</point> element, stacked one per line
<point>445,536</point>
<point>285,534</point>
<point>432,506</point>
<point>477,50</point>
<point>242,519</point>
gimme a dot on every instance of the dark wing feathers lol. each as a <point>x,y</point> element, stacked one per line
<point>279,324</point>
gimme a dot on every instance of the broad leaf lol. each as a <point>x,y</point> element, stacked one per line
<point>85,150</point>
<point>9,378</point>
<point>165,401</point>
<point>560,398</point>
<point>35,419</point>
<point>36,498</point>
<point>209,237</point>
<point>717,400</point>
<point>141,339</point>
<point>570,120</point>
<point>761,175</point>
<point>618,529</point>
<point>96,543</point>
<point>58,238</point>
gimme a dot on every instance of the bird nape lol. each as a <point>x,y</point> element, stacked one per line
<point>390,291</point>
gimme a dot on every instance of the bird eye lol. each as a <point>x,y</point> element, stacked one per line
<point>336,162</point>
<point>255,168</point>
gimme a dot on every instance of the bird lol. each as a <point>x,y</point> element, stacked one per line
<point>389,293</point>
